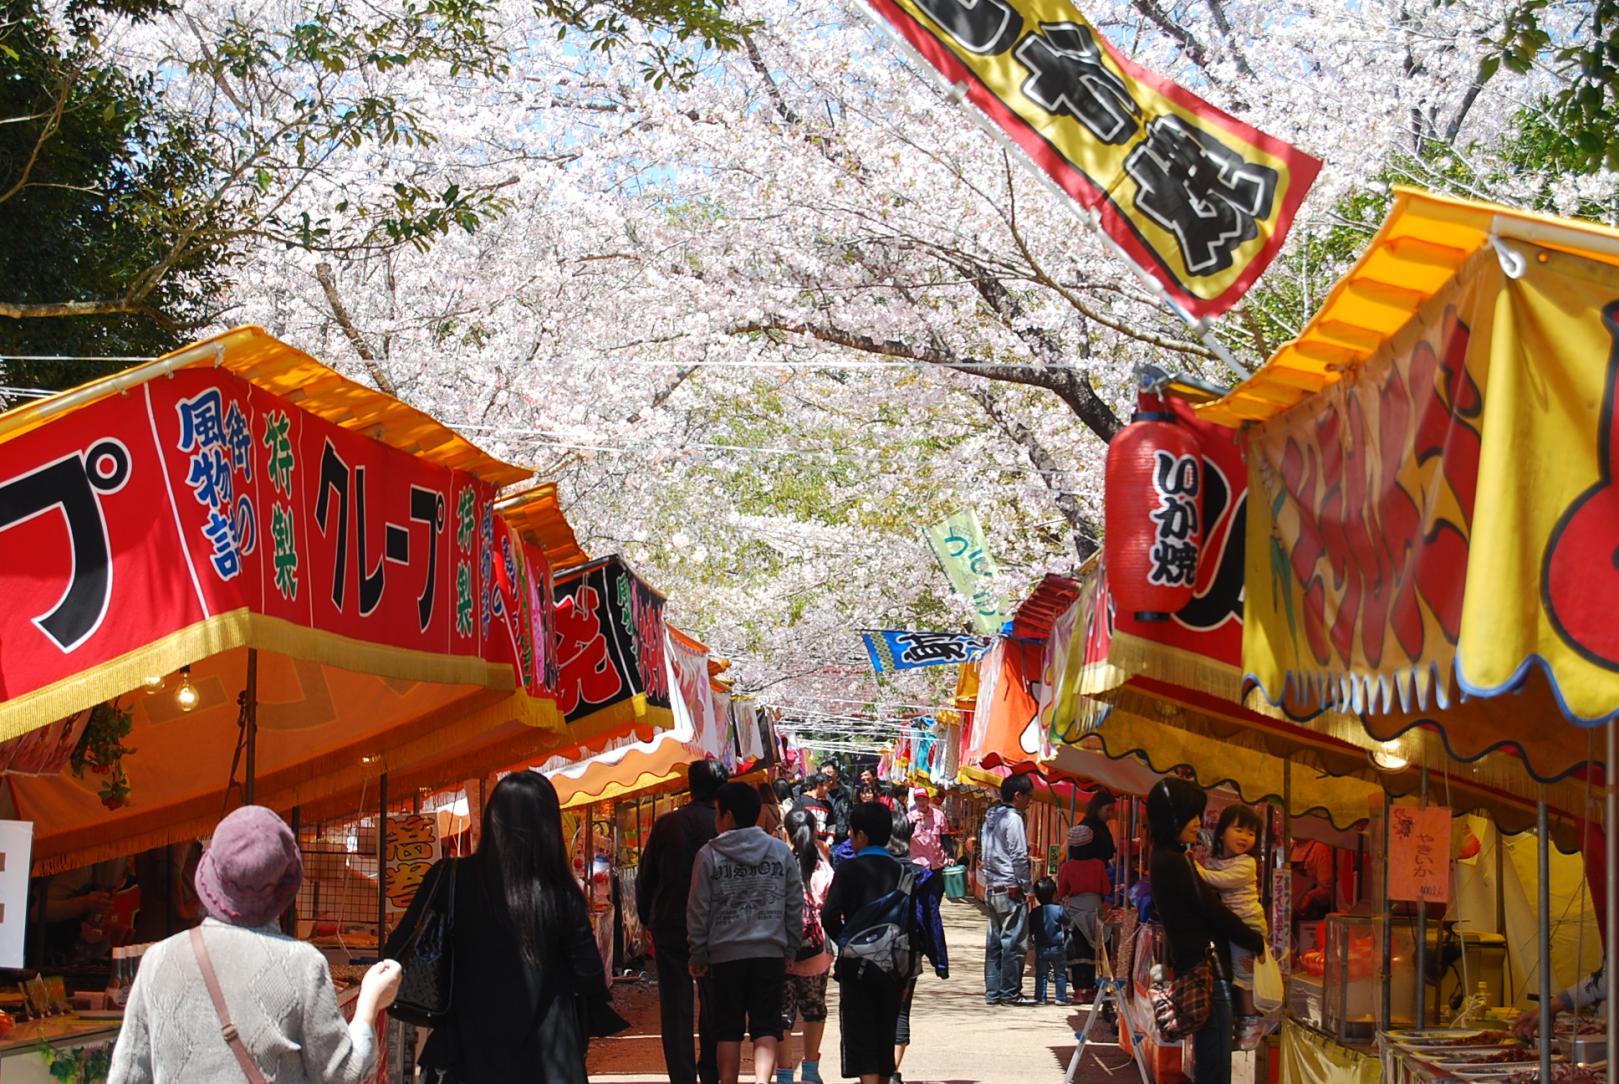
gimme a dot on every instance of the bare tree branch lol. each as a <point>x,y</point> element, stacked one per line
<point>1085,540</point>
<point>681,376</point>
<point>46,131</point>
<point>328,284</point>
<point>756,60</point>
<point>1065,383</point>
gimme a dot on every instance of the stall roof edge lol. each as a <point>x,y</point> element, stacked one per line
<point>1425,239</point>
<point>254,355</point>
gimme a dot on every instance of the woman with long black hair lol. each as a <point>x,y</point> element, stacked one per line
<point>1197,925</point>
<point>807,974</point>
<point>525,961</point>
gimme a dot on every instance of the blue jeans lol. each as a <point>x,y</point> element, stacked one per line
<point>1049,961</point>
<point>1005,944</point>
<point>1212,1046</point>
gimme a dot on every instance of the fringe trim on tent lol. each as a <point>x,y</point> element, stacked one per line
<point>227,632</point>
<point>1176,665</point>
<point>1424,687</point>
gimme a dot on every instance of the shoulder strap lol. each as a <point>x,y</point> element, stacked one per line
<point>210,979</point>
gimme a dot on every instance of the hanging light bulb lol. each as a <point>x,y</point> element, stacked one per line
<point>153,683</point>
<point>186,696</point>
<point>1389,756</point>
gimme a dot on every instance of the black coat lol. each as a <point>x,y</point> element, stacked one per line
<point>1193,914</point>
<point>511,1020</point>
<point>663,879</point>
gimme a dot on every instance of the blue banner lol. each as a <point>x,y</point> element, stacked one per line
<point>911,650</point>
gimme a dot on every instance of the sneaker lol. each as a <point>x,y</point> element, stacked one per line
<point>1021,1001</point>
<point>896,1078</point>
<point>1064,1001</point>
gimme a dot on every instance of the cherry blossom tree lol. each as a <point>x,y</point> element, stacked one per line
<point>767,322</point>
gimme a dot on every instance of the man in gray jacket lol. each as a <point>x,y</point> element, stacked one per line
<point>1003,869</point>
<point>744,921</point>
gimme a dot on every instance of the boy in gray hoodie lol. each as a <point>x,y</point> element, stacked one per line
<point>744,920</point>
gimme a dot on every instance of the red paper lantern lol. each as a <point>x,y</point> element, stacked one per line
<point>1154,513</point>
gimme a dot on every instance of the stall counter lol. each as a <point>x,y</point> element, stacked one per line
<point>23,1062</point>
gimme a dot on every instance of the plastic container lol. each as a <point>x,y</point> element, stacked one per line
<point>955,882</point>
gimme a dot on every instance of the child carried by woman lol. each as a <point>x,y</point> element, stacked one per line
<point>1231,870</point>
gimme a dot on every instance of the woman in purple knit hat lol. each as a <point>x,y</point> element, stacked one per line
<point>275,991</point>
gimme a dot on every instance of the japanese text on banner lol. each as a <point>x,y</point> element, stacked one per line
<point>1197,199</point>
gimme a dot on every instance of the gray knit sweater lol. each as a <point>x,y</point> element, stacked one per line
<point>280,995</point>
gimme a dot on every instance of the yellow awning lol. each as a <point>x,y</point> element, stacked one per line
<point>1422,243</point>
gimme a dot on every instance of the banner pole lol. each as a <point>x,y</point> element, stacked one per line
<point>1202,330</point>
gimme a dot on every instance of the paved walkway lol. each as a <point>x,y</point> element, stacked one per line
<point>956,1038</point>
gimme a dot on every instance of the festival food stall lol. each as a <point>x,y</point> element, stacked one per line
<point>234,575</point>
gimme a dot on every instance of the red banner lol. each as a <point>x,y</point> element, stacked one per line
<point>610,643</point>
<point>200,495</point>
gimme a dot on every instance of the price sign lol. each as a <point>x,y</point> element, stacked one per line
<point>1419,854</point>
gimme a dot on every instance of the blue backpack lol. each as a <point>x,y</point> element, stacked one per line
<point>877,941</point>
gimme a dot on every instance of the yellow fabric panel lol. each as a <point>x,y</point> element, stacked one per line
<point>1310,1058</point>
<point>1576,944</point>
<point>266,362</point>
<point>1548,450</point>
<point>1421,243</point>
<point>1340,476</point>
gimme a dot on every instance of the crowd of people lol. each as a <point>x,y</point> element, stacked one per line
<point>754,897</point>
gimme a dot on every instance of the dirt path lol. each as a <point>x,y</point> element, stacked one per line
<point>956,1038</point>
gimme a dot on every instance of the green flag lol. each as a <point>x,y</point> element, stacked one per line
<point>963,553</point>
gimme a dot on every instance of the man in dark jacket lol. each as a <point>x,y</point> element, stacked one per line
<point>662,885</point>
<point>868,1004</point>
<point>840,799</point>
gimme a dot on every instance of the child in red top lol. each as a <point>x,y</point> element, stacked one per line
<point>1081,884</point>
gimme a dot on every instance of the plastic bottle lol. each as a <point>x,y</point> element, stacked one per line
<point>118,982</point>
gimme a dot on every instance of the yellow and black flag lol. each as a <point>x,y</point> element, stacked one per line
<point>1196,198</point>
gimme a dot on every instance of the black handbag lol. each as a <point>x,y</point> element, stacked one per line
<point>426,954</point>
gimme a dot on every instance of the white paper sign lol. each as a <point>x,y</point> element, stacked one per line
<point>16,857</point>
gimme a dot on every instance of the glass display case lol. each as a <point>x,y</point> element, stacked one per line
<point>1352,982</point>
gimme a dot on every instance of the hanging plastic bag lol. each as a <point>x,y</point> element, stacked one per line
<point>1268,992</point>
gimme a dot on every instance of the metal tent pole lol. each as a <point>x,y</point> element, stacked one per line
<point>382,862</point>
<point>1544,852</point>
<point>1285,858</point>
<point>1387,910</point>
<point>1421,951</point>
<point>1610,847</point>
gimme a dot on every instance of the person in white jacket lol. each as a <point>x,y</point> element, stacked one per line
<point>1231,870</point>
<point>744,921</point>
<point>1588,991</point>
